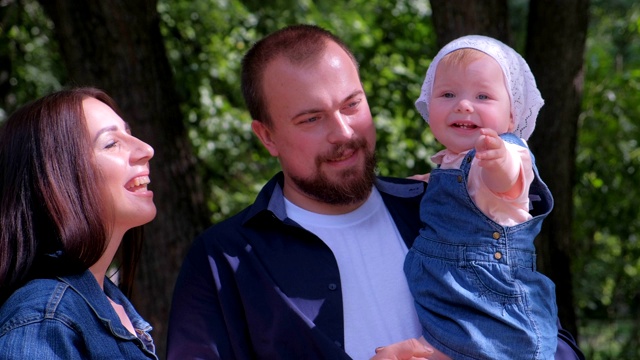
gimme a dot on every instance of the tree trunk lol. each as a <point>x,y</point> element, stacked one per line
<point>555,52</point>
<point>116,45</point>
<point>452,19</point>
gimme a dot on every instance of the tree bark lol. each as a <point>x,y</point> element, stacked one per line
<point>116,45</point>
<point>555,48</point>
<point>453,19</point>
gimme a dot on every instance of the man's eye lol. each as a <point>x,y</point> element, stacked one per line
<point>308,120</point>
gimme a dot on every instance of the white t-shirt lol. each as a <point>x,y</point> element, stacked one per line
<point>378,307</point>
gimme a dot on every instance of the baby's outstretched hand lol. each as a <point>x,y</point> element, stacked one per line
<point>490,149</point>
<point>500,170</point>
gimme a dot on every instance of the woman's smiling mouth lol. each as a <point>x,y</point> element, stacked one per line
<point>138,183</point>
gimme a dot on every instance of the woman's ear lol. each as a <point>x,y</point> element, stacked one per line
<point>263,132</point>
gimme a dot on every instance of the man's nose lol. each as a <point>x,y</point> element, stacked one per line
<point>341,129</point>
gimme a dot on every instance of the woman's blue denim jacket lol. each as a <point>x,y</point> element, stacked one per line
<point>71,318</point>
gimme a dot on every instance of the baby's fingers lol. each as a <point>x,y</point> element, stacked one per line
<point>490,142</point>
<point>488,155</point>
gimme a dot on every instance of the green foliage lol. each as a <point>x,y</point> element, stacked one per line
<point>206,40</point>
<point>607,219</point>
<point>205,43</point>
<point>394,57</point>
<point>394,43</point>
<point>30,64</point>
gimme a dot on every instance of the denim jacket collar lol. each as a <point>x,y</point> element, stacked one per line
<point>88,288</point>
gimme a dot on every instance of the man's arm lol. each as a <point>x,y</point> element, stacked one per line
<point>413,349</point>
<point>196,323</point>
<point>567,347</point>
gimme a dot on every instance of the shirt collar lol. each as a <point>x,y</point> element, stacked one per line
<point>270,200</point>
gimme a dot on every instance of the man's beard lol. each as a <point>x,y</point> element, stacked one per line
<point>352,185</point>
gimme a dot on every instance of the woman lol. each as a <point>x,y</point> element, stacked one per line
<point>73,188</point>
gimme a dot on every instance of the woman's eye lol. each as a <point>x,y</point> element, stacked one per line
<point>111,144</point>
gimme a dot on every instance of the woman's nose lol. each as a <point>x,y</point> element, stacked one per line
<point>142,150</point>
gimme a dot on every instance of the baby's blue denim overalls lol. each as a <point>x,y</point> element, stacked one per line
<point>478,294</point>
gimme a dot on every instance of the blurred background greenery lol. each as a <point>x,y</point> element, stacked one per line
<point>394,42</point>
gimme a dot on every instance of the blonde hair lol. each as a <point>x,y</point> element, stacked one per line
<point>462,57</point>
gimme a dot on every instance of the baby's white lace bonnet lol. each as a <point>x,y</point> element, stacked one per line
<point>526,100</point>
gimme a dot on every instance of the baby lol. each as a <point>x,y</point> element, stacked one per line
<point>472,269</point>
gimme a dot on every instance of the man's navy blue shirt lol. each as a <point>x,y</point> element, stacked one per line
<point>258,285</point>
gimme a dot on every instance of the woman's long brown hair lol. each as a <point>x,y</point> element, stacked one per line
<point>53,218</point>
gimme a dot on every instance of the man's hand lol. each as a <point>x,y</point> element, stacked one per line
<point>420,177</point>
<point>411,349</point>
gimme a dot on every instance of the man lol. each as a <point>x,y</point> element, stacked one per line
<point>313,269</point>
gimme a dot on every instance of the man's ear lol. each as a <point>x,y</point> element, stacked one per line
<point>264,134</point>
